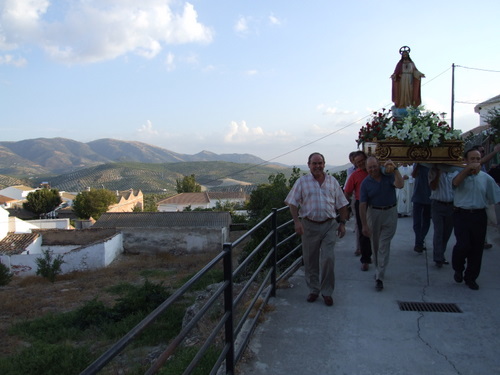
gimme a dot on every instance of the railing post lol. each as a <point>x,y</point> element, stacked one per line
<point>274,258</point>
<point>228,306</point>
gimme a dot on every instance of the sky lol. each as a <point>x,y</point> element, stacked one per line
<point>278,79</point>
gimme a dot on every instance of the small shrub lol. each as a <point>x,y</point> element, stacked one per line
<point>5,274</point>
<point>141,299</point>
<point>93,313</point>
<point>48,266</point>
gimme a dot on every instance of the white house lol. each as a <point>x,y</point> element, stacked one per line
<point>484,108</point>
<point>22,243</point>
<point>7,202</point>
<point>18,192</point>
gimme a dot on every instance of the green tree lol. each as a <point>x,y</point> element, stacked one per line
<point>294,176</point>
<point>93,203</point>
<point>42,201</point>
<point>340,176</point>
<point>493,120</point>
<point>187,185</point>
<point>262,201</point>
<point>268,196</point>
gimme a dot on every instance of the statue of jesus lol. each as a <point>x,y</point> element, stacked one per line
<point>406,81</point>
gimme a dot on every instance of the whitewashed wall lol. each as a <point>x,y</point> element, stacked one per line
<point>50,223</point>
<point>483,112</point>
<point>4,223</point>
<point>83,258</point>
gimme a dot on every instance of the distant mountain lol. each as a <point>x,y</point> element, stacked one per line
<point>52,156</point>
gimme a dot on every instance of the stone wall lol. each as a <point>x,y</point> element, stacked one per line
<point>175,240</point>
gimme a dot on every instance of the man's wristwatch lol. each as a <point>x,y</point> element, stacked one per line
<point>342,222</point>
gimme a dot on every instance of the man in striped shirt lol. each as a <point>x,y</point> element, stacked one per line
<point>314,201</point>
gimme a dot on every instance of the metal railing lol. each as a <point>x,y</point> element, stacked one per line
<point>275,258</point>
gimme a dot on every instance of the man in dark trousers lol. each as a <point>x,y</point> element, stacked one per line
<point>353,185</point>
<point>421,206</point>
<point>474,190</point>
<point>378,211</point>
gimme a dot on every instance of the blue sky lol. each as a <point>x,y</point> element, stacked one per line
<point>278,78</point>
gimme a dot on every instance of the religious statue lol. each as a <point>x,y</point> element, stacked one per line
<point>406,81</point>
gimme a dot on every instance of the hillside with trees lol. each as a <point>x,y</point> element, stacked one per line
<point>155,178</point>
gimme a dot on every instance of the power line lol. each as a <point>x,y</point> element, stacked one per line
<point>350,124</point>
<point>463,102</point>
<point>483,70</point>
<point>439,75</point>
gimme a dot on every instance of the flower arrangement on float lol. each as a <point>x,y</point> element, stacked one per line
<point>418,127</point>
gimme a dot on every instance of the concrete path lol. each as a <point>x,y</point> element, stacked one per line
<point>365,332</point>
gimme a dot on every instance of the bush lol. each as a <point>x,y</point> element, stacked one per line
<point>5,274</point>
<point>48,359</point>
<point>142,299</point>
<point>48,266</point>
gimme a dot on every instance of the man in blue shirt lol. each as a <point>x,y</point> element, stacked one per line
<point>378,211</point>
<point>473,191</point>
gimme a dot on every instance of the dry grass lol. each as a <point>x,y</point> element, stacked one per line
<point>33,296</point>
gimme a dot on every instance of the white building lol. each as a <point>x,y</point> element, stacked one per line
<point>18,192</point>
<point>484,108</point>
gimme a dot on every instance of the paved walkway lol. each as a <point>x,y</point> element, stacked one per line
<point>365,332</point>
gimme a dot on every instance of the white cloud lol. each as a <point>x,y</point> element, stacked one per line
<point>251,72</point>
<point>147,129</point>
<point>10,60</point>
<point>169,62</point>
<point>97,30</point>
<point>240,133</point>
<point>326,110</point>
<point>241,25</point>
<point>274,20</point>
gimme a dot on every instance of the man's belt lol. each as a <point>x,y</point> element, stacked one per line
<point>469,210</point>
<point>384,207</point>
<point>319,222</point>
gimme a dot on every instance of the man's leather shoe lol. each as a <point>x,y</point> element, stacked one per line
<point>472,284</point>
<point>379,285</point>
<point>312,297</point>
<point>364,267</point>
<point>458,277</point>
<point>328,300</point>
<point>487,245</point>
<point>418,249</point>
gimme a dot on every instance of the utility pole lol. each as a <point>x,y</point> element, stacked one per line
<point>452,95</point>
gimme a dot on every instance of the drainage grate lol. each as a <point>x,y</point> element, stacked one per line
<point>429,307</point>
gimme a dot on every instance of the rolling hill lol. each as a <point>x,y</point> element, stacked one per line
<point>52,156</point>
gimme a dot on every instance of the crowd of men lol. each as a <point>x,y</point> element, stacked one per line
<point>454,198</point>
